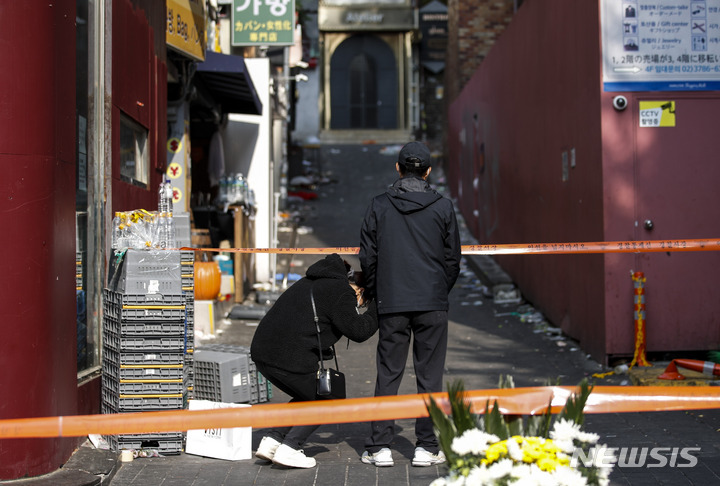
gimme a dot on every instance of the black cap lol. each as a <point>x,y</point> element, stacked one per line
<point>415,155</point>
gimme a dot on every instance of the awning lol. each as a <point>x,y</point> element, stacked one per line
<point>228,81</point>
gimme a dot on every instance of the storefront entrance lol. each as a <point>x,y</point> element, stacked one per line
<point>363,85</point>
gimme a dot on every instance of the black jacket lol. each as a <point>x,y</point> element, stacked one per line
<point>410,248</point>
<point>286,337</point>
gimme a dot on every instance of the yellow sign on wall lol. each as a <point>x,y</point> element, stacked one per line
<point>657,114</point>
<point>185,27</point>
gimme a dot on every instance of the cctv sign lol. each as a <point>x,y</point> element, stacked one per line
<point>657,114</point>
<point>661,45</point>
<point>263,22</point>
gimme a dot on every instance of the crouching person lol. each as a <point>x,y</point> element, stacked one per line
<point>285,345</point>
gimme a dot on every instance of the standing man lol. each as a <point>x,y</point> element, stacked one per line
<point>410,257</point>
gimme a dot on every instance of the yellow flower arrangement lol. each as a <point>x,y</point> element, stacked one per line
<point>493,450</point>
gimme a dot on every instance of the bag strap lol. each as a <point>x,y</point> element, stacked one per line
<point>317,328</point>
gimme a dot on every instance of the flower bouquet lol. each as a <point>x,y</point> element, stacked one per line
<point>493,449</point>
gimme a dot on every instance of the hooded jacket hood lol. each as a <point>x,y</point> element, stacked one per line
<point>332,266</point>
<point>411,194</point>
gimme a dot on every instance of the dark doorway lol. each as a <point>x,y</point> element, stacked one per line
<point>363,85</point>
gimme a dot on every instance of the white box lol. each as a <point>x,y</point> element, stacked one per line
<point>232,444</point>
<point>205,317</point>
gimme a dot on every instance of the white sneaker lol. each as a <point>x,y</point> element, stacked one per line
<point>266,449</point>
<point>287,456</point>
<point>382,458</point>
<point>426,458</point>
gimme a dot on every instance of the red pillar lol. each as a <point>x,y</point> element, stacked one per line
<point>38,375</point>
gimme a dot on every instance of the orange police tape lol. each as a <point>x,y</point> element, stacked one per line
<point>515,401</point>
<point>517,249</point>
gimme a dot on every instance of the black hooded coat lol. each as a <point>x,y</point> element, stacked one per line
<point>410,248</point>
<point>286,337</point>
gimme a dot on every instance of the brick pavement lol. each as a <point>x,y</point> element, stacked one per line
<point>486,340</point>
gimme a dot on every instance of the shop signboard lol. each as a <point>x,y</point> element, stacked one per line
<point>377,17</point>
<point>185,27</point>
<point>263,22</point>
<point>661,45</point>
<point>434,34</point>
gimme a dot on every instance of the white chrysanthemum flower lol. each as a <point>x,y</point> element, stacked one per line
<point>514,450</point>
<point>501,468</point>
<point>521,471</point>
<point>458,480</point>
<point>479,476</point>
<point>588,437</point>
<point>541,477</point>
<point>525,481</point>
<point>472,441</point>
<point>567,476</point>
<point>564,430</point>
<point>567,446</point>
<point>439,482</point>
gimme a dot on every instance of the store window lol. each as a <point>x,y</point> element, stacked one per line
<point>86,335</point>
<point>133,152</point>
<point>89,183</point>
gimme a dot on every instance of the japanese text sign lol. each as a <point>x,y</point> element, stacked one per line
<point>661,45</point>
<point>185,27</point>
<point>263,22</point>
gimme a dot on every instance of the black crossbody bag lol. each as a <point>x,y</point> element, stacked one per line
<point>330,382</point>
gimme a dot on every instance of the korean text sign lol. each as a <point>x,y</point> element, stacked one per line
<point>263,22</point>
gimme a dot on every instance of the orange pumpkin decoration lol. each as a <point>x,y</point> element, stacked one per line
<point>207,280</point>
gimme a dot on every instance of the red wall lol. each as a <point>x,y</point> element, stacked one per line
<point>37,213</point>
<point>539,94</point>
<point>38,370</point>
<point>535,97</point>
<point>140,91</point>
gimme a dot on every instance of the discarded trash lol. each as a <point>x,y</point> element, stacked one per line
<point>146,453</point>
<point>301,180</point>
<point>506,294</point>
<point>292,277</point>
<point>621,369</point>
<point>390,150</point>
<point>304,230</point>
<point>98,441</point>
<point>127,455</point>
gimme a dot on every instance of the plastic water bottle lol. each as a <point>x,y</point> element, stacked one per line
<point>165,194</point>
<point>116,231</point>
<point>224,195</point>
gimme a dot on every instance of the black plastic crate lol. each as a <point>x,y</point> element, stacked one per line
<point>164,443</point>
<point>117,403</point>
<point>145,344</point>
<point>221,377</point>
<point>165,327</point>
<point>142,372</point>
<point>143,387</point>
<point>145,307</point>
<point>148,271</point>
<point>149,358</point>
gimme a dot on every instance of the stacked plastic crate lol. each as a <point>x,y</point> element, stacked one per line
<point>227,373</point>
<point>147,360</point>
<point>187,276</point>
